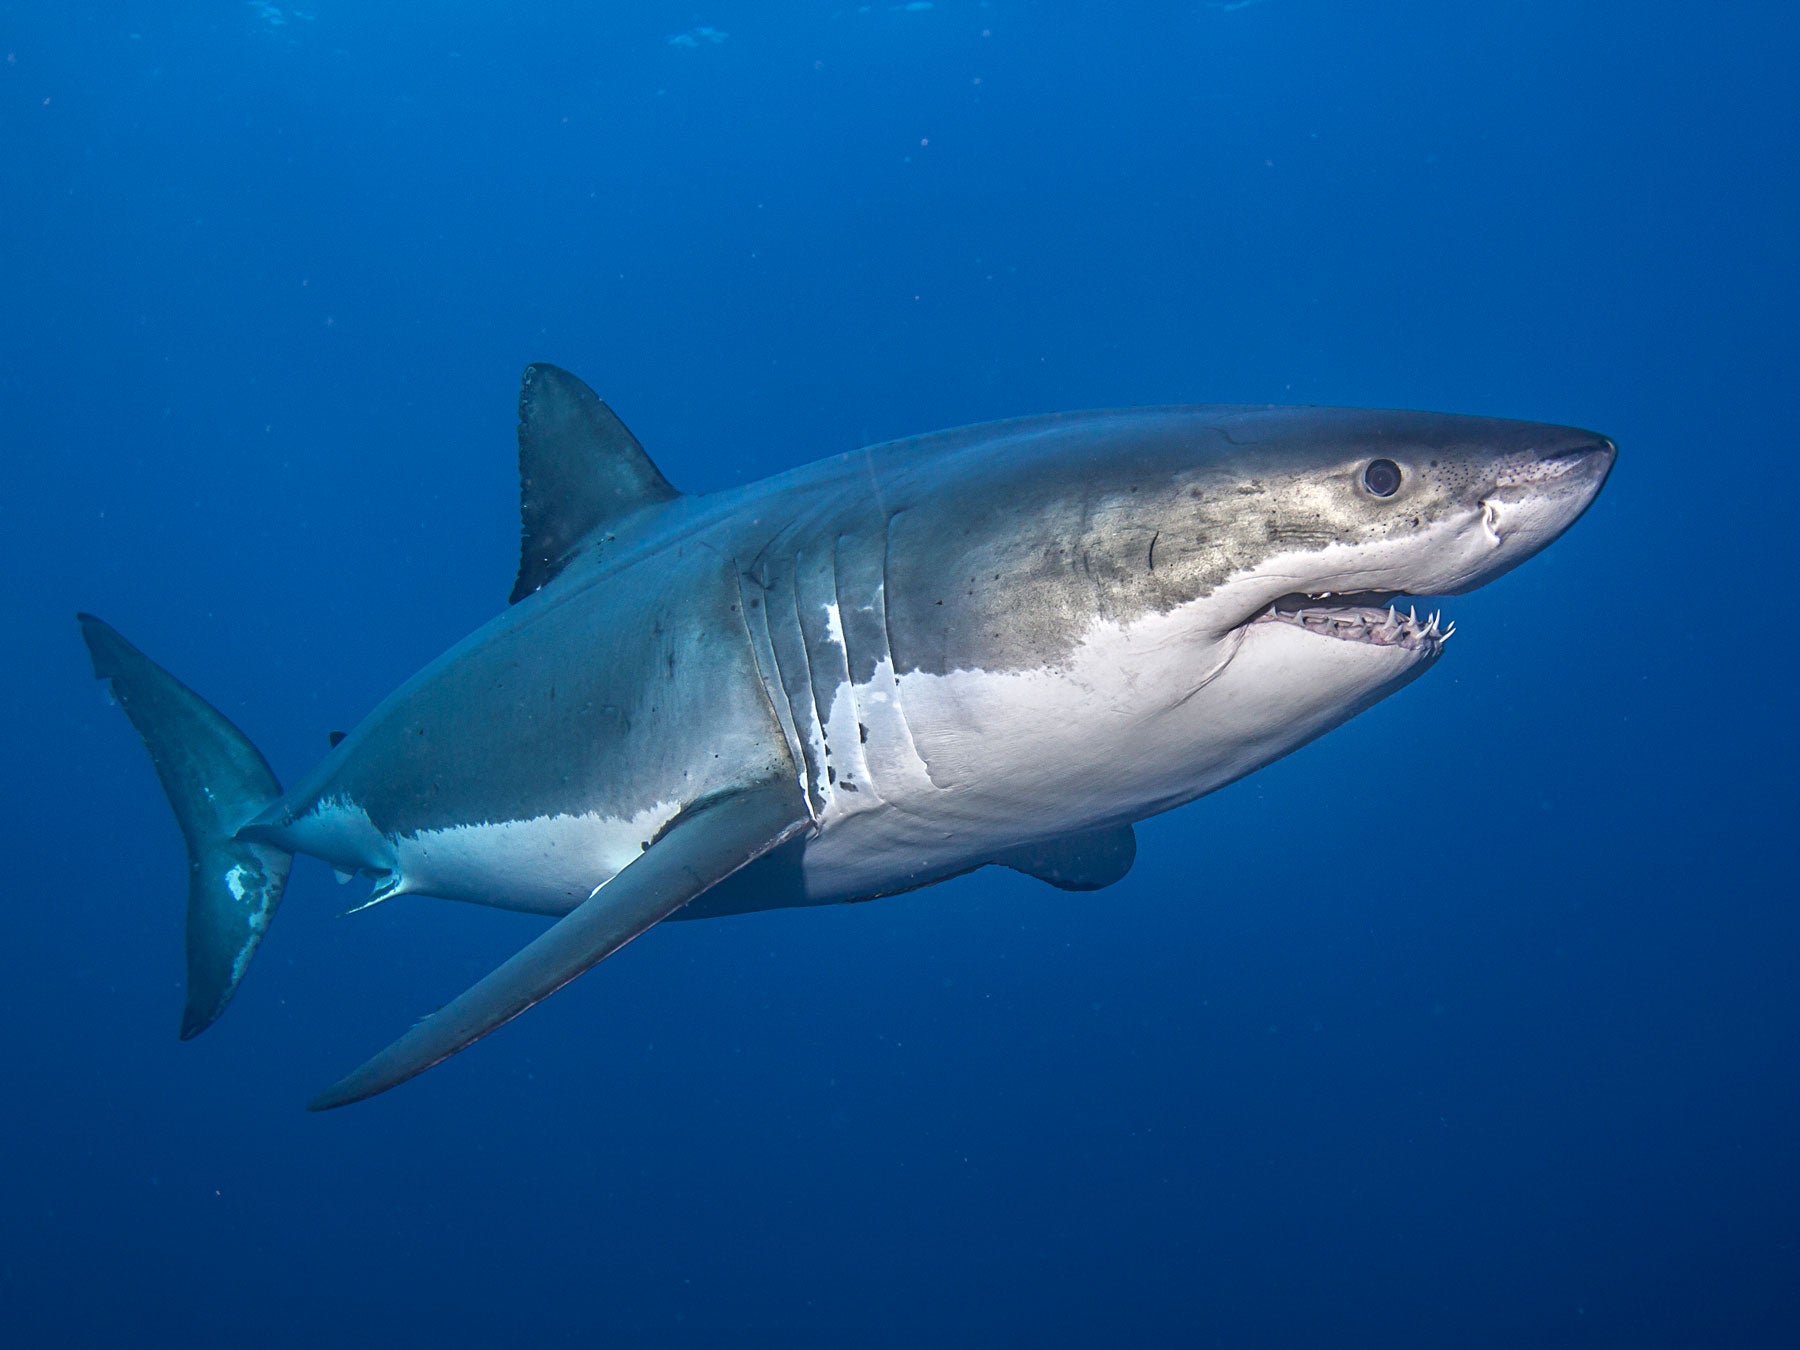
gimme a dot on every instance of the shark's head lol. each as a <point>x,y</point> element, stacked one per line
<point>1342,522</point>
<point>1335,513</point>
<point>1217,586</point>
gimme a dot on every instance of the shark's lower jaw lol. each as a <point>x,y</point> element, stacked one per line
<point>1366,618</point>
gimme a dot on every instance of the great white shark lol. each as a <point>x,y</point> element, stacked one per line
<point>1000,644</point>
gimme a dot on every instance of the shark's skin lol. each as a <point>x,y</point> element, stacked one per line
<point>1004,643</point>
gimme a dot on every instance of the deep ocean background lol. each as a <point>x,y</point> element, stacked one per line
<point>1476,1023</point>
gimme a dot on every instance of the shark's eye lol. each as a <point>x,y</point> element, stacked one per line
<point>1382,477</point>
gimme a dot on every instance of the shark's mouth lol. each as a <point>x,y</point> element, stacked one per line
<point>1368,617</point>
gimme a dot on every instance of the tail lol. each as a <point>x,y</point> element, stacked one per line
<point>216,781</point>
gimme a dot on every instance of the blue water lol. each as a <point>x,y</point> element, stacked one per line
<point>1475,1024</point>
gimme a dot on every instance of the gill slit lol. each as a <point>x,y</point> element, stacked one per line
<point>768,662</point>
<point>822,784</point>
<point>887,638</point>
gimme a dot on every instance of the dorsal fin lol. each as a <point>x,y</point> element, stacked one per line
<point>578,469</point>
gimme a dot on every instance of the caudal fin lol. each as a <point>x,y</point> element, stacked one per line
<point>216,781</point>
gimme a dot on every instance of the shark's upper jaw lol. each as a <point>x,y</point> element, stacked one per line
<point>1369,617</point>
<point>1370,606</point>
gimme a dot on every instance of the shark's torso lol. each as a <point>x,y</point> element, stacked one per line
<point>531,762</point>
<point>953,641</point>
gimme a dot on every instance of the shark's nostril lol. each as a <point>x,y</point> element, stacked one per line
<point>1582,464</point>
<point>1600,451</point>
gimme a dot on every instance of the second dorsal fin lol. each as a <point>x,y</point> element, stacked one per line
<point>578,469</point>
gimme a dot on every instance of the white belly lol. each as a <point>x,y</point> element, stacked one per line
<point>961,767</point>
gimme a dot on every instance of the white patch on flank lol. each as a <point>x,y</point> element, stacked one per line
<point>234,882</point>
<point>548,864</point>
<point>545,865</point>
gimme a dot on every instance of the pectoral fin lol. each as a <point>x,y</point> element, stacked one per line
<point>1077,862</point>
<point>703,846</point>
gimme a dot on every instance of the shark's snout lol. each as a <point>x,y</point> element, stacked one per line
<point>1562,478</point>
<point>1535,498</point>
<point>1582,465</point>
<point>1599,452</point>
